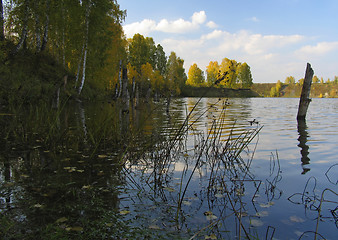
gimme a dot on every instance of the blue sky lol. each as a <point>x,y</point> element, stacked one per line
<point>275,37</point>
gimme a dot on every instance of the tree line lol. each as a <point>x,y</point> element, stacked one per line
<point>86,38</point>
<point>238,74</point>
<point>291,81</point>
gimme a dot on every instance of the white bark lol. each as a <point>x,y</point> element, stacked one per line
<point>37,28</point>
<point>79,65</point>
<point>83,72</point>
<point>24,30</point>
<point>120,79</point>
<point>85,49</point>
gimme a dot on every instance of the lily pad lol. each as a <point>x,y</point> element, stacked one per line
<point>169,189</point>
<point>211,236</point>
<point>61,220</point>
<point>154,226</point>
<point>296,219</point>
<point>256,223</point>
<point>210,216</point>
<point>262,214</point>
<point>267,205</point>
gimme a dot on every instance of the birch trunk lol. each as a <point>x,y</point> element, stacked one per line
<point>37,27</point>
<point>2,34</point>
<point>124,83</point>
<point>45,32</point>
<point>24,30</point>
<point>83,72</point>
<point>85,50</point>
<point>79,65</point>
<point>120,80</point>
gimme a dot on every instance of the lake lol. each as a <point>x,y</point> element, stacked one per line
<point>201,169</point>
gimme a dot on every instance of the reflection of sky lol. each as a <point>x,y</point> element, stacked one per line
<point>278,116</point>
<point>280,133</point>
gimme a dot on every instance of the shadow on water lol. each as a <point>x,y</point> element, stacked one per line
<point>303,135</point>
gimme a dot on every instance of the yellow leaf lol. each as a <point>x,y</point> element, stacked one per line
<point>102,156</point>
<point>38,205</point>
<point>109,224</point>
<point>76,229</point>
<point>169,189</point>
<point>80,171</point>
<point>124,212</point>
<point>61,220</point>
<point>154,226</point>
<point>212,236</point>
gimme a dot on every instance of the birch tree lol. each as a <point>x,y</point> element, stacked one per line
<point>85,47</point>
<point>23,36</point>
<point>2,34</point>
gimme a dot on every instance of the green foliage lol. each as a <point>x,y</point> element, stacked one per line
<point>176,77</point>
<point>63,29</point>
<point>244,77</point>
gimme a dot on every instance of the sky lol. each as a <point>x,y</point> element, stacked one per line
<point>276,38</point>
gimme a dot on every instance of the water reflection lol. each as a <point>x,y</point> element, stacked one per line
<point>303,135</point>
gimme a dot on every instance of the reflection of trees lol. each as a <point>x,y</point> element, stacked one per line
<point>303,134</point>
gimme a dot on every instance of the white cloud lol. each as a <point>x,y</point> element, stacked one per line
<point>271,57</point>
<point>199,17</point>
<point>320,48</point>
<point>268,55</point>
<point>144,27</point>
<point>176,26</point>
<point>254,19</point>
<point>212,24</point>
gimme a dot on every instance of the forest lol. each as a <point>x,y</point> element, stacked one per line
<point>61,49</point>
<point>52,50</point>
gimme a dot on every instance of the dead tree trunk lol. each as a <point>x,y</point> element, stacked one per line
<point>304,97</point>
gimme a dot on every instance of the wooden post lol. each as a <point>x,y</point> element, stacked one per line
<point>304,97</point>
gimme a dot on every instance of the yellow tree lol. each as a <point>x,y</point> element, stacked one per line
<point>229,69</point>
<point>146,78</point>
<point>157,82</point>
<point>195,76</point>
<point>212,72</point>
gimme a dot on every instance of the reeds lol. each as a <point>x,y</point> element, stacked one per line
<point>214,157</point>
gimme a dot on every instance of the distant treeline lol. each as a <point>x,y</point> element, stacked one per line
<point>290,88</point>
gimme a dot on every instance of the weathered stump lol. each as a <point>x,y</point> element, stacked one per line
<point>304,97</point>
